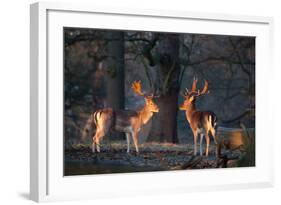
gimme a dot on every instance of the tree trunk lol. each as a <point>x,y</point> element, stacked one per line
<point>115,96</point>
<point>164,123</point>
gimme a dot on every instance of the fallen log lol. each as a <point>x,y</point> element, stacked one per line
<point>192,162</point>
<point>234,138</point>
<point>223,160</point>
<point>231,139</point>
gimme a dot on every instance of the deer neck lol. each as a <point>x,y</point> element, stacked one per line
<point>145,114</point>
<point>190,110</point>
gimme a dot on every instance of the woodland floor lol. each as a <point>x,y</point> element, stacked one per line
<point>113,158</point>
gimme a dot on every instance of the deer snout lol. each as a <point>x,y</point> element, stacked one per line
<point>182,107</point>
<point>155,109</point>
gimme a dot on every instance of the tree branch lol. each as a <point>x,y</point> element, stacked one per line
<point>168,77</point>
<point>210,59</point>
<point>239,57</point>
<point>146,68</point>
<point>147,50</point>
<point>189,51</point>
<point>247,112</point>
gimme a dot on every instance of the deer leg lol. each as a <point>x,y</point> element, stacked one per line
<point>98,138</point>
<point>195,142</point>
<point>213,133</point>
<point>128,142</point>
<point>94,144</point>
<point>207,143</point>
<point>201,147</point>
<point>135,139</point>
<point>97,142</point>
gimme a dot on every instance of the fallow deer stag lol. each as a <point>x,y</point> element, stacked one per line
<point>127,121</point>
<point>201,122</point>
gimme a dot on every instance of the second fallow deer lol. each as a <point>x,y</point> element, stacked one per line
<point>201,122</point>
<point>128,121</point>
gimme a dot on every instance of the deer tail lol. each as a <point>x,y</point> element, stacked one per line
<point>213,119</point>
<point>96,117</point>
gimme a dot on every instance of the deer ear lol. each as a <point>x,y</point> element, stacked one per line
<point>191,98</point>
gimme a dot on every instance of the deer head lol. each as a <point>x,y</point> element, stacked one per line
<point>191,96</point>
<point>152,107</point>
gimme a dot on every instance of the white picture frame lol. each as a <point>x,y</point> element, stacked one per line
<point>47,182</point>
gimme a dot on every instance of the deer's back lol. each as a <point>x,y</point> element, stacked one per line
<point>125,120</point>
<point>200,119</point>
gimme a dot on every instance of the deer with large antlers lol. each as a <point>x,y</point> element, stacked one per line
<point>127,121</point>
<point>201,122</point>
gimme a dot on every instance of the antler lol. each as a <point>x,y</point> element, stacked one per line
<point>193,91</point>
<point>204,90</point>
<point>188,93</point>
<point>193,88</point>
<point>136,86</point>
